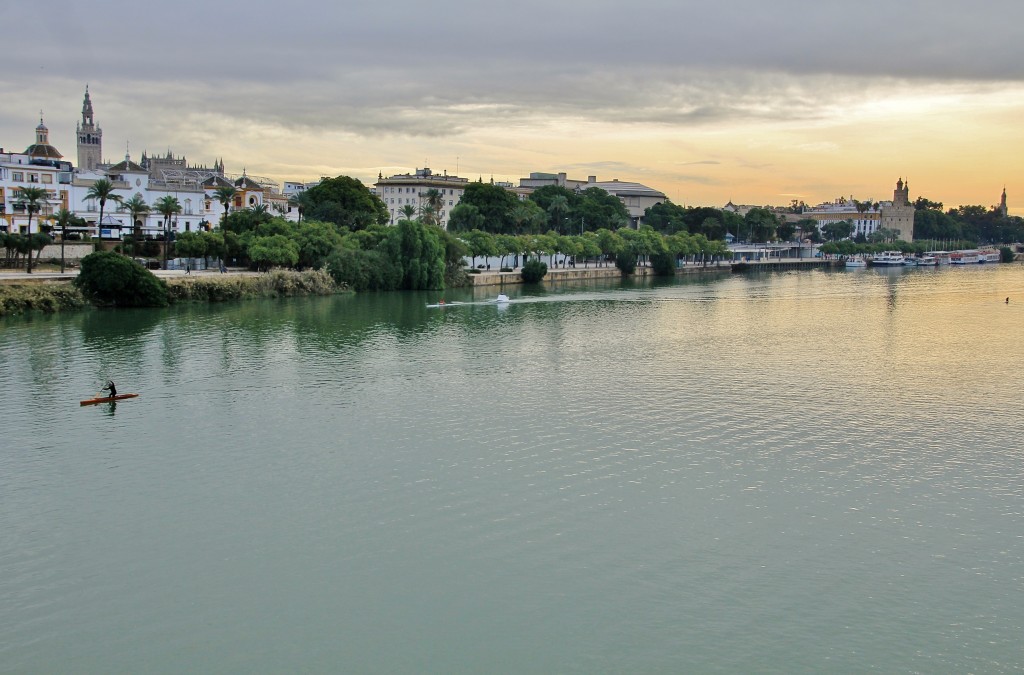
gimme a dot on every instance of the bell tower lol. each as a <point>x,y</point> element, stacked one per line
<point>90,137</point>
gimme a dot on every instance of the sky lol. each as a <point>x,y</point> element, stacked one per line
<point>749,101</point>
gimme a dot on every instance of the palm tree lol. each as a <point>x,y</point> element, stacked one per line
<point>261,212</point>
<point>62,219</point>
<point>433,204</point>
<point>409,211</point>
<point>32,198</point>
<point>225,194</point>
<point>557,208</point>
<point>302,202</point>
<point>103,189</point>
<point>168,206</point>
<point>136,207</point>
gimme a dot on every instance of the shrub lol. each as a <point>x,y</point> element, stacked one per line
<point>1006,254</point>
<point>111,279</point>
<point>39,298</point>
<point>663,264</point>
<point>363,270</point>
<point>626,262</point>
<point>278,283</point>
<point>506,269</point>
<point>534,271</point>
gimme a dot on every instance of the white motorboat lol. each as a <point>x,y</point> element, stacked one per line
<point>888,259</point>
<point>502,299</point>
<point>852,263</point>
<point>927,261</point>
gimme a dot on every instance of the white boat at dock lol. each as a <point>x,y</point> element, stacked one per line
<point>854,262</point>
<point>927,261</point>
<point>888,259</point>
<point>963,258</point>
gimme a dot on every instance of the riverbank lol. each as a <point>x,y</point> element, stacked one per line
<point>48,292</point>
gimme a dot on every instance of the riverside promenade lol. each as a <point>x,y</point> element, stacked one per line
<point>47,275</point>
<point>564,275</point>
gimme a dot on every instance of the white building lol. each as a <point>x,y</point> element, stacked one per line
<point>41,165</point>
<point>411,190</point>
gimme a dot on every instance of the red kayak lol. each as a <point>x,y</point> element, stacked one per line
<point>106,399</point>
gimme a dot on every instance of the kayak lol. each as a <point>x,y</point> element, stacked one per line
<point>106,399</point>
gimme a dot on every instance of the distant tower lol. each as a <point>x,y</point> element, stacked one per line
<point>899,215</point>
<point>90,138</point>
<point>1002,205</point>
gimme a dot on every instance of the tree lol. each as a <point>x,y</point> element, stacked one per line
<point>480,243</point>
<point>922,203</point>
<point>409,211</point>
<point>64,219</point>
<point>595,208</point>
<point>505,245</point>
<point>32,200</point>
<point>840,230</point>
<point>591,246</point>
<point>761,224</point>
<point>808,229</point>
<point>465,218</point>
<point>136,207</point>
<point>494,203</point>
<point>190,245</point>
<point>527,217</point>
<point>301,202</point>
<point>225,194</point>
<point>666,217</point>
<point>784,230</point>
<point>557,210</point>
<point>274,251</point>
<point>346,202</point>
<point>102,190</point>
<point>416,250</point>
<point>433,204</point>
<point>260,211</point>
<point>168,206</point>
<point>316,242</point>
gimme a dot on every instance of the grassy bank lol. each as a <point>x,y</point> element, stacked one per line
<point>21,299</point>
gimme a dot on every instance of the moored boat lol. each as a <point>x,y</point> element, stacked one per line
<point>927,261</point>
<point>963,257</point>
<point>887,259</point>
<point>988,256</point>
<point>855,262</point>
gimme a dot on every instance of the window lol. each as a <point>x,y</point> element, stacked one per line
<point>33,178</point>
<point>18,175</point>
<point>47,178</point>
<point>450,202</point>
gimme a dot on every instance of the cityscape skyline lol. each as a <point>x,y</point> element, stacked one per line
<point>737,102</point>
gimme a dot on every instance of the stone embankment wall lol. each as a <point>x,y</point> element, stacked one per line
<point>556,275</point>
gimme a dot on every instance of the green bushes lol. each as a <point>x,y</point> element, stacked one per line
<point>111,279</point>
<point>534,271</point>
<point>363,270</point>
<point>277,283</point>
<point>626,262</point>
<point>39,298</point>
<point>663,264</point>
<point>1006,254</point>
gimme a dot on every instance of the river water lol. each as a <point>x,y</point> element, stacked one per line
<point>797,472</point>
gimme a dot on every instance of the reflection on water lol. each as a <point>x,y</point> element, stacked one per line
<point>788,472</point>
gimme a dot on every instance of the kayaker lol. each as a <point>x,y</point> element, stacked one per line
<point>110,386</point>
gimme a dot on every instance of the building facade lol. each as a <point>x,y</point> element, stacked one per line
<point>407,189</point>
